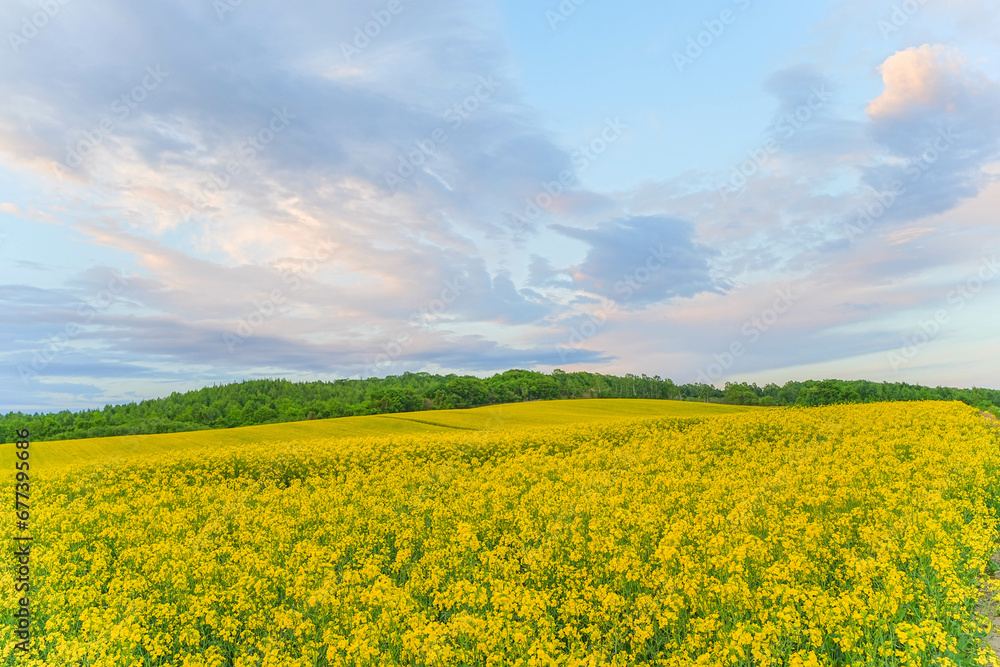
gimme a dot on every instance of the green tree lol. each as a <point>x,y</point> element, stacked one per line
<point>741,394</point>
<point>467,392</point>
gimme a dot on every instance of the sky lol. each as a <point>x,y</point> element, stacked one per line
<point>198,192</point>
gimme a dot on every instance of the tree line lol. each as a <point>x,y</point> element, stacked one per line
<point>253,402</point>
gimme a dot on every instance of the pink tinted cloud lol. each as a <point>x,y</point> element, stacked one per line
<point>928,76</point>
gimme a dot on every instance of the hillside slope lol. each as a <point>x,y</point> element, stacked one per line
<point>49,455</point>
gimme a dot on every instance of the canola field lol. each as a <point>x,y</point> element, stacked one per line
<point>825,536</point>
<point>52,455</point>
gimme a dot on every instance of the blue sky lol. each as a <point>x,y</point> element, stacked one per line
<point>204,191</point>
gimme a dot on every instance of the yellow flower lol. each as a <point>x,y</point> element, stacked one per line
<point>785,536</point>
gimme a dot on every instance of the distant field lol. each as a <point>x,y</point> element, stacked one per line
<point>50,455</point>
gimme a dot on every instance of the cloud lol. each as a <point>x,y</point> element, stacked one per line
<point>189,139</point>
<point>795,87</point>
<point>937,119</point>
<point>541,273</point>
<point>920,79</point>
<point>640,260</point>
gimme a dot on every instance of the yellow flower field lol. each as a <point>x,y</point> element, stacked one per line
<point>52,455</point>
<point>823,536</point>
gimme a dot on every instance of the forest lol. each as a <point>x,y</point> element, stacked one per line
<point>269,401</point>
